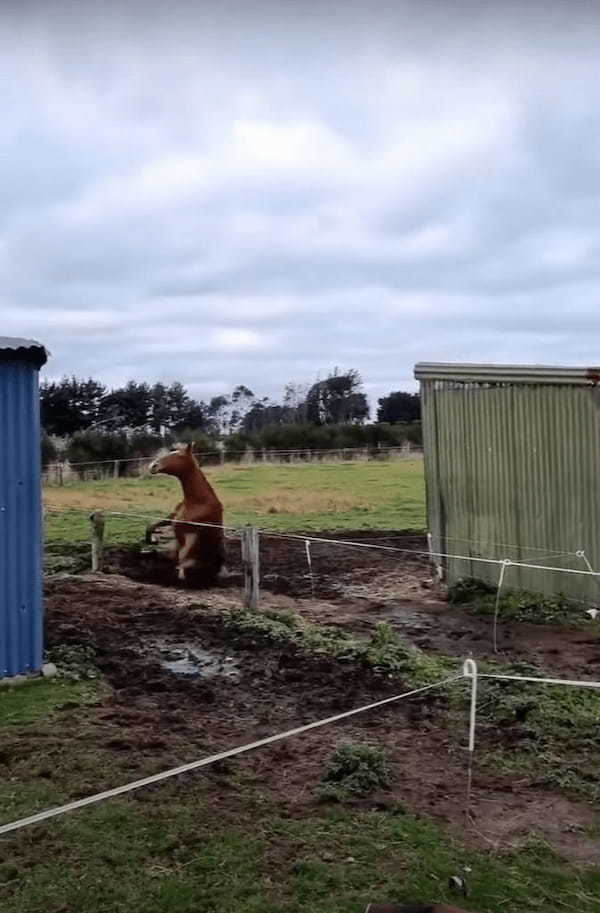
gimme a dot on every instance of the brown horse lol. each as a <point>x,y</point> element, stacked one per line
<point>199,550</point>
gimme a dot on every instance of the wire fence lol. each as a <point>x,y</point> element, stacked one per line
<point>61,473</point>
<point>470,673</point>
<point>576,563</point>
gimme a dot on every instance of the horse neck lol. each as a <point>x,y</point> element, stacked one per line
<point>195,485</point>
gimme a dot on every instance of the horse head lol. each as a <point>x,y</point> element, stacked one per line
<point>176,462</point>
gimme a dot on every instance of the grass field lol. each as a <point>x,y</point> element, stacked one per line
<point>186,847</point>
<point>387,495</point>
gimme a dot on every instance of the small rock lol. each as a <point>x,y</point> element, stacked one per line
<point>458,884</point>
<point>350,859</point>
<point>328,857</point>
<point>49,670</point>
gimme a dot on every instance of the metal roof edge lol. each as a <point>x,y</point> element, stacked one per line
<point>29,350</point>
<point>517,374</point>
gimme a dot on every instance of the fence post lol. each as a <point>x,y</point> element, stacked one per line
<point>436,562</point>
<point>60,473</point>
<point>116,469</point>
<point>250,561</point>
<point>97,521</point>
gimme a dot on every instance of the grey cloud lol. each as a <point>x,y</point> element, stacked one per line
<point>230,194</point>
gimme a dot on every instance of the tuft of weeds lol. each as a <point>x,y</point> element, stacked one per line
<point>74,661</point>
<point>388,653</point>
<point>516,605</point>
<point>66,558</point>
<point>468,590</point>
<point>358,769</point>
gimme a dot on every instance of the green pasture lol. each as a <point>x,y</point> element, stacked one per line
<point>337,496</point>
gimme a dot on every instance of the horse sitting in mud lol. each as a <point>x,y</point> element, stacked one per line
<point>199,550</point>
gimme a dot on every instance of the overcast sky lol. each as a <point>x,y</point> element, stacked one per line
<point>238,193</point>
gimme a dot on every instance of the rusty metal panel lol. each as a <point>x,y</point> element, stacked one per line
<point>21,619</point>
<point>511,472</point>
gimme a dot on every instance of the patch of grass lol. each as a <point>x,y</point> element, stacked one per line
<point>39,698</point>
<point>554,731</point>
<point>517,605</point>
<point>385,652</point>
<point>174,855</point>
<point>73,527</point>
<point>359,769</point>
<point>387,495</point>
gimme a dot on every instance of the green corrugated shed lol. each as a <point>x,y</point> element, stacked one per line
<point>512,463</point>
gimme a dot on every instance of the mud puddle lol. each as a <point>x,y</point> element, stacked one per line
<point>191,659</point>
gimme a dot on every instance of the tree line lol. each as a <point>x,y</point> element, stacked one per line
<point>84,420</point>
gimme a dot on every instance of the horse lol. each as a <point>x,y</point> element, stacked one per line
<point>199,550</point>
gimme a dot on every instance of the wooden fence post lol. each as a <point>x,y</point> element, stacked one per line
<point>97,521</point>
<point>116,469</point>
<point>251,563</point>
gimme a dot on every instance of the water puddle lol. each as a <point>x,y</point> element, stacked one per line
<point>192,659</point>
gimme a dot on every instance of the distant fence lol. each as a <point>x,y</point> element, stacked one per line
<point>136,467</point>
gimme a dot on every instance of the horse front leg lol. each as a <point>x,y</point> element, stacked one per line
<point>153,528</point>
<point>168,521</point>
<point>184,558</point>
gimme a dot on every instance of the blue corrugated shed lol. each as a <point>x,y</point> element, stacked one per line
<point>21,607</point>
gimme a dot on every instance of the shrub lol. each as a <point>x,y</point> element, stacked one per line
<point>145,444</point>
<point>95,447</point>
<point>201,439</point>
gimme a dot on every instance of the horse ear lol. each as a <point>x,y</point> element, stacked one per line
<point>190,447</point>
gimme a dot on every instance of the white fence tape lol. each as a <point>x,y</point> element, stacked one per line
<point>469,672</point>
<point>204,762</point>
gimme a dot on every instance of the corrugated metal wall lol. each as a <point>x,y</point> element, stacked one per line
<point>513,472</point>
<point>21,614</point>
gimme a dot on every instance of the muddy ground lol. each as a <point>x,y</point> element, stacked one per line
<point>355,588</point>
<point>184,684</point>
